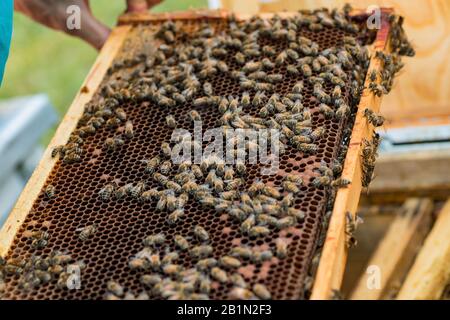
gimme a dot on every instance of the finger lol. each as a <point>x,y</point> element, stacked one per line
<point>137,6</point>
<point>152,3</point>
<point>92,31</point>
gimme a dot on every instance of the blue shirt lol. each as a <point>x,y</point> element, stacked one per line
<point>6,17</point>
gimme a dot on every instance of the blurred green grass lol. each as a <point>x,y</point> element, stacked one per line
<point>44,61</point>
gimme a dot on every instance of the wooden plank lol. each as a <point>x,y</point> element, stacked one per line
<point>133,18</point>
<point>334,255</point>
<point>395,253</point>
<point>410,174</point>
<point>430,272</point>
<point>68,124</point>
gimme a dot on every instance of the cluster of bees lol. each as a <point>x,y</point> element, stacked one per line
<point>392,63</point>
<point>181,71</point>
<point>38,270</point>
<point>170,280</point>
<point>369,156</point>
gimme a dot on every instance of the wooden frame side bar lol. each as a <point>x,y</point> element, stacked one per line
<point>68,124</point>
<point>334,255</point>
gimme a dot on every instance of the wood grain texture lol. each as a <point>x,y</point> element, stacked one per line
<point>334,254</point>
<point>396,251</point>
<point>422,88</point>
<point>68,124</point>
<point>430,272</point>
<point>410,174</point>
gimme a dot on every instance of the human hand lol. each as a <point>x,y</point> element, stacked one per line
<point>53,14</point>
<point>141,5</point>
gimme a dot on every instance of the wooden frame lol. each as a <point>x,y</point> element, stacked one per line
<point>334,255</point>
<point>400,243</point>
<point>430,272</point>
<point>332,263</point>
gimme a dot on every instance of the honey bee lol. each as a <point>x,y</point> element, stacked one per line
<point>112,123</point>
<point>154,240</point>
<point>39,243</point>
<point>175,216</point>
<point>181,242</point>
<point>120,114</point>
<point>204,286</point>
<point>281,58</point>
<point>317,133</point>
<point>219,274</point>
<point>268,50</point>
<point>201,251</point>
<point>248,223</point>
<point>166,151</point>
<point>121,192</point>
<point>165,167</point>
<point>58,150</point>
<point>201,233</point>
<point>152,164</point>
<point>207,89</point>
<point>205,264</point>
<point>261,256</point>
<point>342,111</point>
<point>306,70</point>
<point>298,87</point>
<point>237,280</point>
<point>171,122</point>
<point>261,291</point>
<point>281,245</point>
<point>229,262</point>
<point>170,257</point>
<point>271,192</point>
<point>49,191</point>
<point>86,232</point>
<point>251,66</point>
<point>292,70</point>
<point>194,115</point>
<point>150,279</point>
<point>240,293</point>
<point>373,118</point>
<point>115,288</point>
<point>350,229</point>
<point>138,189</point>
<point>340,183</point>
<point>174,186</point>
<point>267,64</point>
<point>106,192</point>
<point>43,276</point>
<point>297,214</point>
<point>258,231</point>
<point>139,263</point>
<point>129,132</point>
<point>321,181</point>
<point>326,110</point>
<point>111,144</point>
<point>245,100</point>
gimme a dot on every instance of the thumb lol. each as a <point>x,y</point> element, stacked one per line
<point>90,29</point>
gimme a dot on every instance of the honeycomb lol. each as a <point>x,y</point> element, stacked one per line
<point>122,224</point>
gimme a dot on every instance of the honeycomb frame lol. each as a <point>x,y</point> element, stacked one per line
<point>31,199</point>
